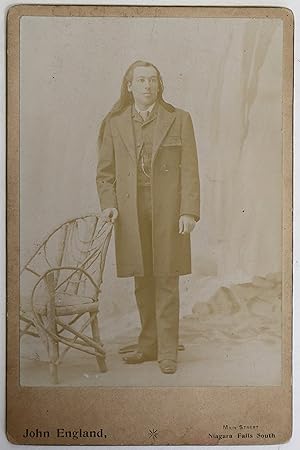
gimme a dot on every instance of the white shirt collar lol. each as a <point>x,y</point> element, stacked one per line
<point>148,109</point>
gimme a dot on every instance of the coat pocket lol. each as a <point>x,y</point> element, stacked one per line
<point>172,141</point>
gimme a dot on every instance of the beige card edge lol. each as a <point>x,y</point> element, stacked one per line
<point>186,415</point>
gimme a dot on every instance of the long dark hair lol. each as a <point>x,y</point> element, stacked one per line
<point>126,97</point>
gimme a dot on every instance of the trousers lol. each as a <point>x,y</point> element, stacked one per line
<point>157,297</point>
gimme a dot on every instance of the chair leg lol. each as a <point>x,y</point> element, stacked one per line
<point>96,336</point>
<point>53,358</point>
<point>53,344</point>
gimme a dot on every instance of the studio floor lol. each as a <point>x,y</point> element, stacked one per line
<point>200,364</point>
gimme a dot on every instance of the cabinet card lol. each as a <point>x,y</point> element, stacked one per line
<point>149,158</point>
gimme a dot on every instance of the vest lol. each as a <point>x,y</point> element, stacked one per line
<point>143,134</point>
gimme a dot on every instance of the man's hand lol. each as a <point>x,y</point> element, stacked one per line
<point>110,214</point>
<point>186,224</point>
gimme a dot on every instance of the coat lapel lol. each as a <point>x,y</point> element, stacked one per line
<point>163,123</point>
<point>124,123</point>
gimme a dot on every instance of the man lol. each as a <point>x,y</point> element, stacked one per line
<point>148,185</point>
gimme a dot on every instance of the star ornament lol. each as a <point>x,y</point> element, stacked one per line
<point>153,434</point>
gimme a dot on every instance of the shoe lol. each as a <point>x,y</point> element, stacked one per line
<point>168,366</point>
<point>138,358</point>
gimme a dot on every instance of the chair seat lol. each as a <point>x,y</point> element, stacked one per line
<point>65,305</point>
<point>84,304</point>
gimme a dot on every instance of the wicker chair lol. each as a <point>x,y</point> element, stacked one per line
<point>61,283</point>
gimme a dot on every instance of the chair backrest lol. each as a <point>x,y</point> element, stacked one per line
<point>80,243</point>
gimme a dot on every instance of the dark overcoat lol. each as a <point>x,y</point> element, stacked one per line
<point>175,190</point>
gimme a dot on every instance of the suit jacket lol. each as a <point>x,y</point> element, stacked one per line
<point>175,190</point>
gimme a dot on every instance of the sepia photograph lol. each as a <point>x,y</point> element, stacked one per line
<point>154,216</point>
<point>199,104</point>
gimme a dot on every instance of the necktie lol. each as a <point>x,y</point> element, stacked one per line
<point>144,115</point>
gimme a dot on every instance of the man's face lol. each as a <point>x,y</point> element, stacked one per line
<point>144,86</point>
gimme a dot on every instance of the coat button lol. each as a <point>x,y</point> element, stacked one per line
<point>127,195</point>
